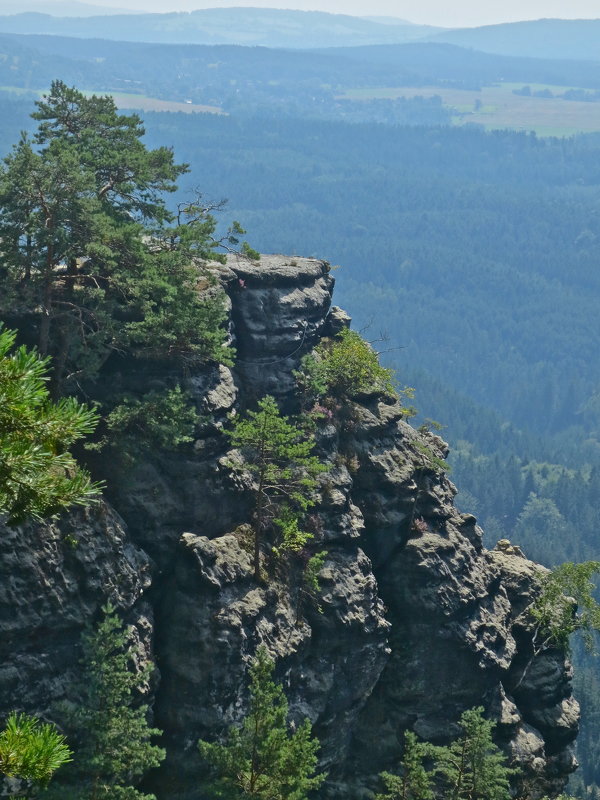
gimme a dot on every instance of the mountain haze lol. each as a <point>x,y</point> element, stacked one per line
<point>245,26</point>
<point>543,38</point>
<point>61,8</point>
<point>282,28</point>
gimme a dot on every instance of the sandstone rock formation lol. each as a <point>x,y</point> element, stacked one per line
<point>415,622</point>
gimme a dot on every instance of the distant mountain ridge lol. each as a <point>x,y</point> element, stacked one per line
<point>301,30</point>
<point>577,39</point>
<point>61,8</point>
<point>244,26</point>
<point>388,20</point>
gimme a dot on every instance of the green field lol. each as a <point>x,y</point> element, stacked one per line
<point>497,107</point>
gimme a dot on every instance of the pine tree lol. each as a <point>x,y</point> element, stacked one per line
<point>31,750</point>
<point>473,767</point>
<point>38,476</point>
<point>90,252</point>
<point>263,759</point>
<point>278,455</point>
<point>414,782</point>
<point>113,740</point>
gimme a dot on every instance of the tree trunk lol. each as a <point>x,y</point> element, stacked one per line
<point>44,339</point>
<point>58,374</point>
<point>258,530</point>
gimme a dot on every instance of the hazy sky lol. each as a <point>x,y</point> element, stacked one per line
<point>451,13</point>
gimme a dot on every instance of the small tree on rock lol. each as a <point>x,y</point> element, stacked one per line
<point>113,746</point>
<point>414,782</point>
<point>278,455</point>
<point>263,759</point>
<point>566,605</point>
<point>344,366</point>
<point>473,767</point>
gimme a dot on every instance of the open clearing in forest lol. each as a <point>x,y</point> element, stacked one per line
<point>132,101</point>
<point>140,102</point>
<point>497,107</point>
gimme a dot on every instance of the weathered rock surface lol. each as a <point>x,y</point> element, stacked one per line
<point>279,310</point>
<point>53,580</point>
<point>417,621</point>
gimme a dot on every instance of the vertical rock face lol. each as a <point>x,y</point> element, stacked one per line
<point>415,622</point>
<point>53,580</point>
<point>278,314</point>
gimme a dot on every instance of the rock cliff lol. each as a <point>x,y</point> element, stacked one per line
<point>417,621</point>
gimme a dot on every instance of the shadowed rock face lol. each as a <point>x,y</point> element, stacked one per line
<point>415,621</point>
<point>53,579</point>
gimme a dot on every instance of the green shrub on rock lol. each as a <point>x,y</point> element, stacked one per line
<point>344,367</point>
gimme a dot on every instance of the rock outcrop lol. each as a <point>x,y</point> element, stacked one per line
<point>415,621</point>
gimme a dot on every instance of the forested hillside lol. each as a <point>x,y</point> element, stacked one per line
<point>246,508</point>
<point>315,83</point>
<point>466,248</point>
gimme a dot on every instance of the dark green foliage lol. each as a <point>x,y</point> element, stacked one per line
<point>470,768</point>
<point>278,456</point>
<point>473,767</point>
<point>415,781</point>
<point>31,750</point>
<point>263,759</point>
<point>113,740</point>
<point>38,475</point>
<point>89,249</point>
<point>157,420</point>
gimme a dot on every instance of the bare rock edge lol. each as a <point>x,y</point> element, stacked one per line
<point>417,621</point>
